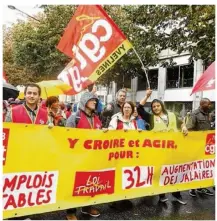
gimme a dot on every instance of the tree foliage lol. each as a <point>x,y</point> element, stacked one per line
<point>30,47</point>
<point>179,27</point>
<point>13,71</point>
<point>33,45</point>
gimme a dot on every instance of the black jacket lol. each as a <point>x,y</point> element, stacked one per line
<point>106,114</point>
<point>199,120</point>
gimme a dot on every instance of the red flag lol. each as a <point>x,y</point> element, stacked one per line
<point>206,81</point>
<point>94,42</point>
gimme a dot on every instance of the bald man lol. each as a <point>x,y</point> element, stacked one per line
<point>199,121</point>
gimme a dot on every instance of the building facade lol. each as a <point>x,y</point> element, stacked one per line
<point>173,85</point>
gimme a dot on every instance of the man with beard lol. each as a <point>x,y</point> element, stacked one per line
<point>199,121</point>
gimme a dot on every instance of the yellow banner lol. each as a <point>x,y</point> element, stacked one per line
<point>54,169</point>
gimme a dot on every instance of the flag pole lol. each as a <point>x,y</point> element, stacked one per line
<point>143,67</point>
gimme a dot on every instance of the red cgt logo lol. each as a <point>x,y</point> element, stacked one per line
<point>93,183</point>
<point>210,144</point>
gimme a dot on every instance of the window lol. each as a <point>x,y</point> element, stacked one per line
<point>153,79</point>
<point>172,77</point>
<point>180,76</point>
<point>179,108</point>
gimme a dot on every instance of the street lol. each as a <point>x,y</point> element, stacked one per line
<point>148,208</point>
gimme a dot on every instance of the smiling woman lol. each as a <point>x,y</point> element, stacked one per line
<point>124,119</point>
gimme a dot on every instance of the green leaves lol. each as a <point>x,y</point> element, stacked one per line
<point>34,45</point>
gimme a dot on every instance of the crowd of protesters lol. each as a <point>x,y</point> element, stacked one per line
<point>117,115</point>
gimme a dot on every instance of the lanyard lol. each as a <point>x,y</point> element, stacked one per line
<point>164,120</point>
<point>89,121</point>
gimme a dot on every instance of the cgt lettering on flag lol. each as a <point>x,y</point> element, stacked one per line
<point>97,43</point>
<point>89,48</point>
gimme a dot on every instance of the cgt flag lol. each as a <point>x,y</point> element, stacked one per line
<point>206,81</point>
<point>94,42</point>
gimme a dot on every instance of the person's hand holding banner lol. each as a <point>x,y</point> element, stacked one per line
<point>94,42</point>
<point>184,130</point>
